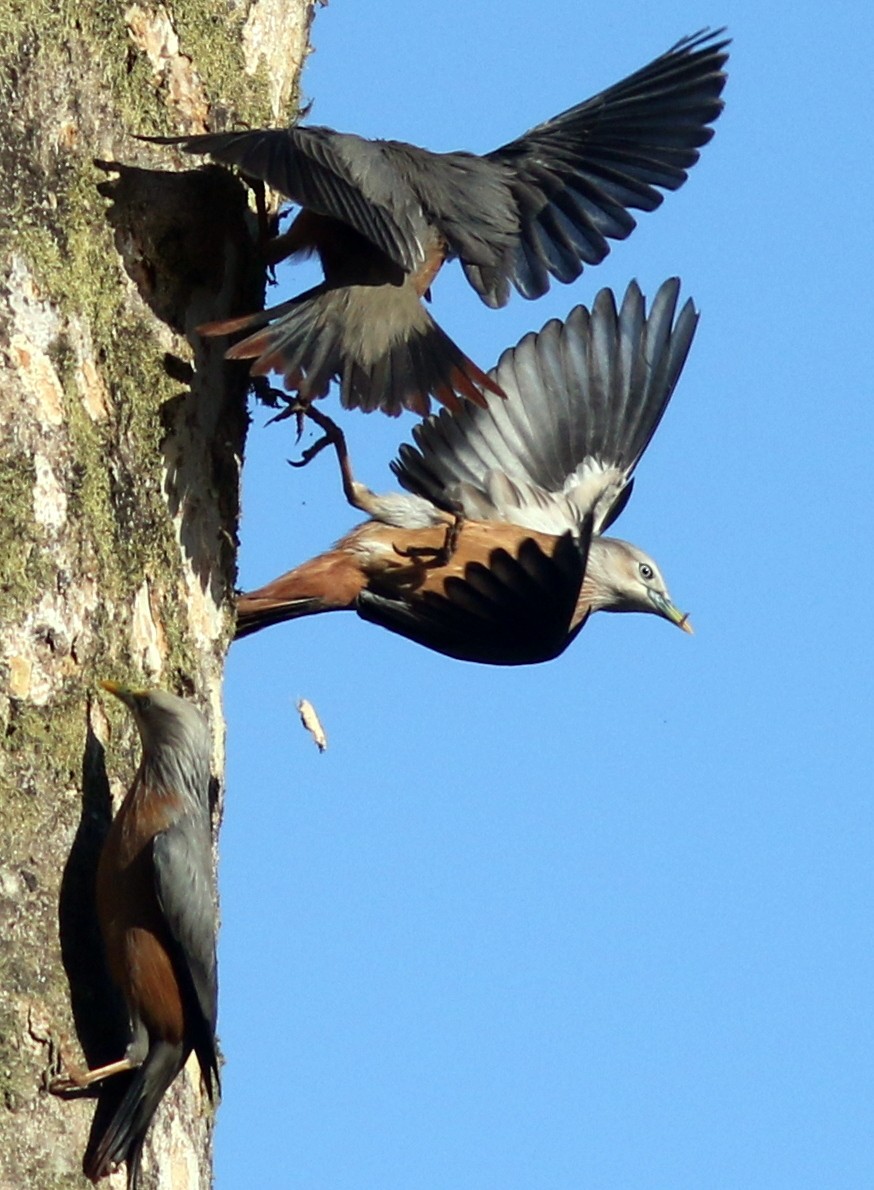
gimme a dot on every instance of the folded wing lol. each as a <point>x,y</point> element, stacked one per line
<point>183,884</point>
<point>517,608</point>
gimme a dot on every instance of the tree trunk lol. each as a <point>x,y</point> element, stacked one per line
<point>122,437</point>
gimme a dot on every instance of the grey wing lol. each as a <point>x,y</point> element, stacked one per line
<point>517,610</point>
<point>583,399</point>
<point>333,173</point>
<point>576,177</point>
<point>468,198</point>
<point>182,862</point>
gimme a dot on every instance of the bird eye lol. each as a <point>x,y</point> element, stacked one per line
<point>645,571</point>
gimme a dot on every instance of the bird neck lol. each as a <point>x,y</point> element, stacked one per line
<point>171,772</point>
<point>598,592</point>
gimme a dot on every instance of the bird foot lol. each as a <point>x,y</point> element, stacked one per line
<point>311,451</point>
<point>298,410</point>
<point>294,406</point>
<point>78,1079</point>
<point>439,555</point>
<point>332,434</point>
<point>269,395</point>
<point>357,494</point>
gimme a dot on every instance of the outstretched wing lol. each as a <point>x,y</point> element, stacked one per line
<point>183,884</point>
<point>518,609</point>
<point>333,173</point>
<point>575,178</point>
<point>584,398</point>
<point>542,205</point>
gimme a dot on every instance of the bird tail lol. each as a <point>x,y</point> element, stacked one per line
<point>254,613</point>
<point>330,582</point>
<point>378,341</point>
<point>123,1137</point>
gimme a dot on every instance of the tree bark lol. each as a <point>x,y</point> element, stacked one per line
<point>122,439</point>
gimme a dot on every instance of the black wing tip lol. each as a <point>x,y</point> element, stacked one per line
<point>514,609</point>
<point>705,39</point>
<point>656,121</point>
<point>669,289</point>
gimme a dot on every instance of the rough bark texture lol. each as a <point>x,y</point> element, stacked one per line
<point>119,460</point>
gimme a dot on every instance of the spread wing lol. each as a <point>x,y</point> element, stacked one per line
<point>333,173</point>
<point>575,178</point>
<point>183,883</point>
<point>519,609</point>
<point>584,398</point>
<point>542,205</point>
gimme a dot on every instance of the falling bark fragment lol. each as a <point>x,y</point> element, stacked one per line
<point>310,719</point>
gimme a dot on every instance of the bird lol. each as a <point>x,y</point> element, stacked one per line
<point>383,216</point>
<point>156,913</point>
<point>496,553</point>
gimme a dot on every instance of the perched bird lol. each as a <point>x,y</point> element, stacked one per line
<point>156,913</point>
<point>383,216</point>
<point>495,553</point>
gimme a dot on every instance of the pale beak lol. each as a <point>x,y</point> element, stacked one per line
<point>124,693</point>
<point>665,608</point>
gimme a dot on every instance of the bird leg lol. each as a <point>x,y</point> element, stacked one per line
<point>439,555</point>
<point>259,191</point>
<point>267,224</point>
<point>357,494</point>
<point>78,1079</point>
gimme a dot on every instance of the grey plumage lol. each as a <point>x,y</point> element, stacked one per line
<point>156,910</point>
<point>534,478</point>
<point>383,216</point>
<point>543,204</point>
<point>584,398</point>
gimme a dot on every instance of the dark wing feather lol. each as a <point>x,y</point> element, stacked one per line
<point>181,858</point>
<point>575,178</point>
<point>333,173</point>
<point>517,610</point>
<point>583,399</point>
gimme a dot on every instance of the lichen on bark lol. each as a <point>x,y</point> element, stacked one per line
<point>118,489</point>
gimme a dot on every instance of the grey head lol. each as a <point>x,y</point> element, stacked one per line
<point>620,577</point>
<point>176,739</point>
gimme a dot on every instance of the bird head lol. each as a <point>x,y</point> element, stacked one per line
<point>166,723</point>
<point>622,578</point>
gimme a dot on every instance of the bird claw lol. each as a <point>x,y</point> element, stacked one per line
<point>75,1080</point>
<point>332,435</point>
<point>357,494</point>
<point>311,451</point>
<point>267,394</point>
<point>439,555</point>
<point>65,1085</point>
<point>296,410</point>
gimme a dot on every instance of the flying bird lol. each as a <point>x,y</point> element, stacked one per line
<point>383,216</point>
<point>495,553</point>
<point>156,913</point>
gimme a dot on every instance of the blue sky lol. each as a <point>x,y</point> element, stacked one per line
<point>605,922</point>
